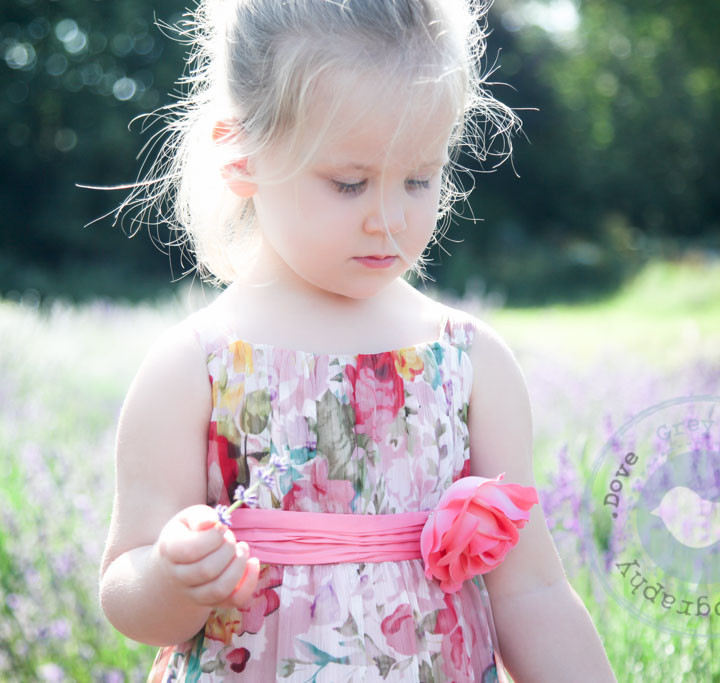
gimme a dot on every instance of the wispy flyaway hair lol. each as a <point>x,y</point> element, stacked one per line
<point>258,64</point>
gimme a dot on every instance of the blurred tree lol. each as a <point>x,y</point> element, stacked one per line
<point>623,149</point>
<point>74,75</point>
<point>620,153</point>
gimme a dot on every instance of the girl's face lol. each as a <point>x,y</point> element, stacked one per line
<point>317,224</point>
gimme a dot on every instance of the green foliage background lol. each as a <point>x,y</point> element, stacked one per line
<point>619,162</point>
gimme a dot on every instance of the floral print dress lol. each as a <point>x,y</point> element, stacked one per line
<point>364,434</point>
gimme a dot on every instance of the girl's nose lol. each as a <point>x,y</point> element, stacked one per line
<point>388,211</point>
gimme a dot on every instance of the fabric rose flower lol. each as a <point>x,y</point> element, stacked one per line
<point>473,527</point>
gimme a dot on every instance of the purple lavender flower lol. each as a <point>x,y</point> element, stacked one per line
<point>280,463</point>
<point>63,564</point>
<point>245,496</point>
<point>267,475</point>
<point>250,498</point>
<point>12,601</point>
<point>51,672</point>
<point>114,676</point>
<point>223,515</point>
<point>60,629</point>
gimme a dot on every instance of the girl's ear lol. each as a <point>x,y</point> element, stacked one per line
<point>222,130</point>
<point>234,175</point>
<point>235,172</point>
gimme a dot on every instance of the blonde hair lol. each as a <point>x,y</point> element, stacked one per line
<point>260,62</point>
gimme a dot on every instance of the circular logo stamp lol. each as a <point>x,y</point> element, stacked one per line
<point>651,510</point>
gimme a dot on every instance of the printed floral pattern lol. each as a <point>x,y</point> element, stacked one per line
<point>364,434</point>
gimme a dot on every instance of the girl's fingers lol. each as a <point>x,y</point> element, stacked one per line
<point>181,545</point>
<point>199,517</point>
<point>210,567</point>
<point>247,584</point>
<point>216,592</point>
<point>203,555</point>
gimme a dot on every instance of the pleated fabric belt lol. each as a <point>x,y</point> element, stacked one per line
<point>292,537</point>
<point>469,532</point>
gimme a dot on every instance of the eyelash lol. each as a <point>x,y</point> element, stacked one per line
<point>354,188</point>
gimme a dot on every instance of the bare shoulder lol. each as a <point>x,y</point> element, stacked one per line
<point>172,378</point>
<point>483,341</point>
<point>500,413</point>
<point>161,441</point>
<point>175,356</point>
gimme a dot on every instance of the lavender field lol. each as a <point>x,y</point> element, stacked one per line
<point>64,371</point>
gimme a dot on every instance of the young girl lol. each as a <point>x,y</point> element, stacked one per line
<point>300,462</point>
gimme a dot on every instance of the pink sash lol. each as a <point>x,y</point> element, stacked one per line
<point>291,537</point>
<point>473,526</point>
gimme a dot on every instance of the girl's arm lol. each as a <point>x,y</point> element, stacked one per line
<point>166,561</point>
<point>545,632</point>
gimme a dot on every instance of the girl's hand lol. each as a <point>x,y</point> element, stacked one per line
<point>201,555</point>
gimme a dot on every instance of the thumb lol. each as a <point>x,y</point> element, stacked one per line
<point>200,517</point>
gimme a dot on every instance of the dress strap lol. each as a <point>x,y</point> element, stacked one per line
<point>196,322</point>
<point>444,331</point>
<point>457,328</point>
<point>209,332</point>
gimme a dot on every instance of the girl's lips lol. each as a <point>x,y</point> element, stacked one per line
<point>375,262</point>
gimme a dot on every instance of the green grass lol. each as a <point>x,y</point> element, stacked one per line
<point>668,314</point>
<point>65,370</point>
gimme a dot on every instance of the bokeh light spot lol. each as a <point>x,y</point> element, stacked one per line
<point>66,30</point>
<point>38,28</point>
<point>124,88</point>
<point>91,73</point>
<point>121,44</point>
<point>20,56</point>
<point>65,139</point>
<point>77,44</point>
<point>606,84</point>
<point>56,64</point>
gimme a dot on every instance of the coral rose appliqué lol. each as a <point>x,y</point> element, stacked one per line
<point>473,527</point>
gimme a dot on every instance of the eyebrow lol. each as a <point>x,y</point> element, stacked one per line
<point>369,167</point>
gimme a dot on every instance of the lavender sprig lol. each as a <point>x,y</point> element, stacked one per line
<point>248,496</point>
<point>280,463</point>
<point>222,513</point>
<point>267,475</point>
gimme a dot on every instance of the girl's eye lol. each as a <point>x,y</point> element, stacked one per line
<point>355,188</point>
<point>349,188</point>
